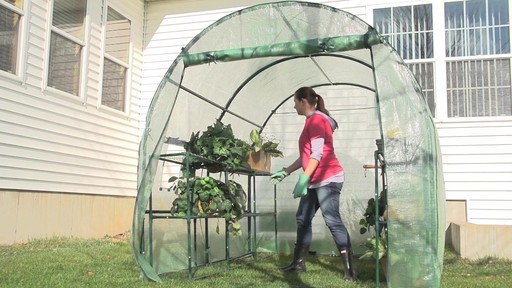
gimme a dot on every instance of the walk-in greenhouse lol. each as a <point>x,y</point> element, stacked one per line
<point>242,71</point>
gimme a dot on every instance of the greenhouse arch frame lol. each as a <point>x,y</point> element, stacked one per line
<point>243,70</point>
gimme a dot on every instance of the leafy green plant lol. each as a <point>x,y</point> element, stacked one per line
<point>210,197</point>
<point>368,223</point>
<point>267,146</point>
<point>371,245</point>
<point>370,214</point>
<point>217,143</point>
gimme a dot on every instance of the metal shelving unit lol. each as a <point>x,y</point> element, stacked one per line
<point>192,232</point>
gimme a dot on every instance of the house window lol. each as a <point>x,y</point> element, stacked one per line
<point>477,37</point>
<point>116,61</point>
<point>10,15</point>
<point>409,30</point>
<point>66,45</point>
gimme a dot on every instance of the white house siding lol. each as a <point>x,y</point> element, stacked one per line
<point>477,163</point>
<point>51,142</point>
<point>477,152</point>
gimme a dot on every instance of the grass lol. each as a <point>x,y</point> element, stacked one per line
<point>109,262</point>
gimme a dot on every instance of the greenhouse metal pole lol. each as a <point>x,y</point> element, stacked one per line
<point>150,228</point>
<point>379,151</point>
<point>376,204</point>
<point>250,210</point>
<point>206,241</point>
<point>255,221</point>
<point>195,242</point>
<point>189,209</point>
<point>226,231</point>
<point>275,218</point>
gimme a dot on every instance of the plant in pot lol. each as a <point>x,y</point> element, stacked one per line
<point>261,151</point>
<point>210,197</point>
<point>218,149</point>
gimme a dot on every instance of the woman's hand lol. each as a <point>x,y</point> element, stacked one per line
<point>278,176</point>
<point>301,188</point>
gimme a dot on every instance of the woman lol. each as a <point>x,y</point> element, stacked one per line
<point>320,184</point>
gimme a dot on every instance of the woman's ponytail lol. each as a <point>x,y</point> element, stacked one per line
<point>313,99</point>
<point>320,105</point>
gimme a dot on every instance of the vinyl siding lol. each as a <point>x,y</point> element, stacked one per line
<point>35,43</point>
<point>50,141</point>
<point>477,160</point>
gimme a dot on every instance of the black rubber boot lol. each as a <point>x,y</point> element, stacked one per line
<point>346,257</point>
<point>299,260</point>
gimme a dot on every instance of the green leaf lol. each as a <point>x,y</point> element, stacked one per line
<point>204,196</point>
<point>256,140</point>
<point>227,205</point>
<point>366,255</point>
<point>236,225</point>
<point>255,136</point>
<point>216,191</point>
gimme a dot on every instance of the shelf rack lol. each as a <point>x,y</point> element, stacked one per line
<point>183,158</point>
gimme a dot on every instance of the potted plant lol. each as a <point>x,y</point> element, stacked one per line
<point>261,152</point>
<point>210,197</point>
<point>218,144</point>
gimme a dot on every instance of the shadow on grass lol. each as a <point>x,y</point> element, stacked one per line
<point>321,270</point>
<point>274,275</point>
<point>365,269</point>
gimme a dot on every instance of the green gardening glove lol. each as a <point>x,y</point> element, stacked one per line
<point>278,176</point>
<point>301,188</point>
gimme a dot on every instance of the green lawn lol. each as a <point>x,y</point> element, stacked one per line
<point>109,262</point>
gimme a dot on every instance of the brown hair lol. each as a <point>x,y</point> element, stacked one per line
<point>313,99</point>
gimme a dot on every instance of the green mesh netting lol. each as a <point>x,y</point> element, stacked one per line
<point>243,70</point>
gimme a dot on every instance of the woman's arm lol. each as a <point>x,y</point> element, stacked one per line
<point>294,166</point>
<point>312,164</point>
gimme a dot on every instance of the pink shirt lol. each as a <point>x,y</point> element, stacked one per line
<point>317,126</point>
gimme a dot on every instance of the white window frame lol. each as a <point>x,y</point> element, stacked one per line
<point>440,59</point>
<point>127,65</point>
<point>82,96</point>
<point>471,58</point>
<point>21,58</point>
<point>435,24</point>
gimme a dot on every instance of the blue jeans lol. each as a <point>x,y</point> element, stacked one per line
<point>327,199</point>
